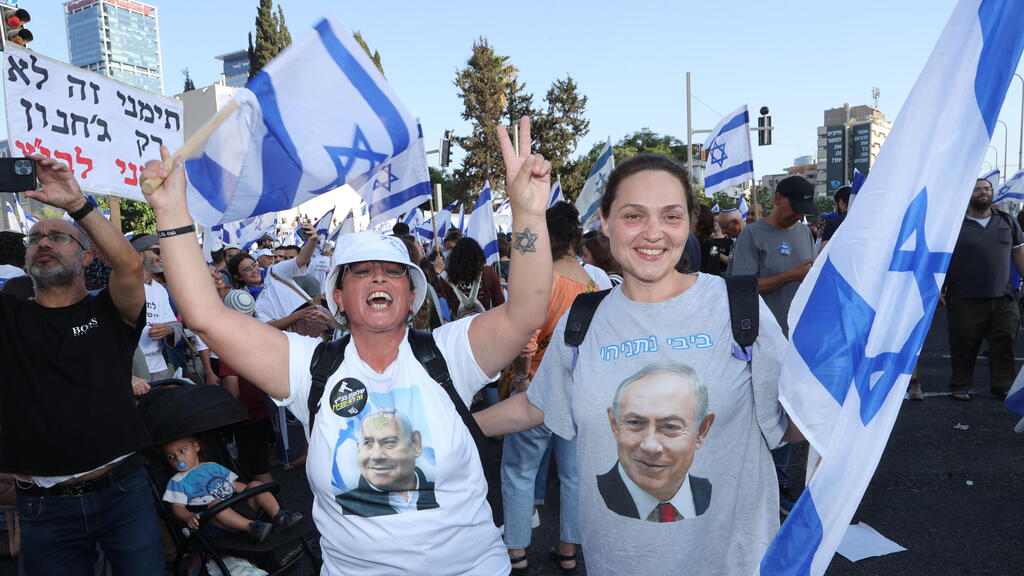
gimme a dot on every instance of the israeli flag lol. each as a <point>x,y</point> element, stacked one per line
<point>589,201</point>
<point>481,225</point>
<point>318,116</point>
<point>252,229</point>
<point>556,193</point>
<point>1012,189</point>
<point>858,182</point>
<point>729,159</point>
<point>503,217</point>
<point>992,176</point>
<point>462,219</point>
<point>715,209</point>
<point>25,220</point>
<point>741,205</point>
<point>861,315</point>
<point>323,231</point>
<point>346,226</point>
<point>400,185</point>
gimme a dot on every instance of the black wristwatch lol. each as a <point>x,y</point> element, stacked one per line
<point>82,212</point>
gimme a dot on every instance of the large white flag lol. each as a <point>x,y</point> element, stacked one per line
<point>589,200</point>
<point>729,159</point>
<point>317,116</point>
<point>481,225</point>
<point>862,313</point>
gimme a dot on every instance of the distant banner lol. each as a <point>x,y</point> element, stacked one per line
<point>103,130</point>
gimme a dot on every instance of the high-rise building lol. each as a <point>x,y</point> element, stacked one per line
<point>236,68</point>
<point>851,138</point>
<point>116,38</point>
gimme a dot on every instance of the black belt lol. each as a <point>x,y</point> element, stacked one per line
<point>124,468</point>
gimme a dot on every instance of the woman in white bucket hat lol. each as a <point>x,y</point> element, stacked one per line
<point>397,483</point>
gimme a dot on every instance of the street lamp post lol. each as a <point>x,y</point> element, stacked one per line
<point>1006,150</point>
<point>996,150</point>
<point>1020,142</point>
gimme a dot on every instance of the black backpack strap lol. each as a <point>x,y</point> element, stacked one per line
<point>326,359</point>
<point>425,349</point>
<point>580,315</point>
<point>743,308</point>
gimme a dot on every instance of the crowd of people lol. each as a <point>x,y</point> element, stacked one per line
<point>610,353</point>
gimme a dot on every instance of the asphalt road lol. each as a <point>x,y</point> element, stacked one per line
<point>954,498</point>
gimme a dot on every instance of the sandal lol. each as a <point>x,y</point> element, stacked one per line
<point>559,558</point>
<point>961,396</point>
<point>522,570</point>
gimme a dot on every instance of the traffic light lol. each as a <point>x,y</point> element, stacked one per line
<point>14,20</point>
<point>764,128</point>
<point>446,148</point>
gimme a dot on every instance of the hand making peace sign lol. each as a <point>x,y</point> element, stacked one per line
<point>527,176</point>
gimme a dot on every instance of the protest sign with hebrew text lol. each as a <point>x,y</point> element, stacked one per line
<point>105,131</point>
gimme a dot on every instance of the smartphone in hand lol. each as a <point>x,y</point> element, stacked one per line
<point>17,175</point>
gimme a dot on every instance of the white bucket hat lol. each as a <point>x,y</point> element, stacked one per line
<point>373,246</point>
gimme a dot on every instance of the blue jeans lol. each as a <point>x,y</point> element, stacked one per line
<point>59,534</point>
<point>781,457</point>
<point>521,457</point>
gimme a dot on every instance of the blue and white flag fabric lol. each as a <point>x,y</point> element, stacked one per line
<point>400,185</point>
<point>481,225</point>
<point>414,220</point>
<point>715,209</point>
<point>346,226</point>
<point>741,205</point>
<point>589,201</point>
<point>992,176</point>
<point>25,220</point>
<point>556,193</point>
<point>862,313</point>
<point>503,217</point>
<point>1012,189</point>
<point>462,219</point>
<point>244,232</point>
<point>1015,401</point>
<point>323,230</point>
<point>858,182</point>
<point>317,116</point>
<point>730,162</point>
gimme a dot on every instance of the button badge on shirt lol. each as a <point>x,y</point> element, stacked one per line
<point>785,248</point>
<point>348,397</point>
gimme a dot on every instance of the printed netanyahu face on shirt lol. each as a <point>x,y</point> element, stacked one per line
<point>388,451</point>
<point>659,418</point>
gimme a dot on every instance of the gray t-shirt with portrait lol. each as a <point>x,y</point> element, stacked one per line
<point>732,479</point>
<point>764,250</point>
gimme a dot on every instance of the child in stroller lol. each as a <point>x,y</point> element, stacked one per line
<point>198,484</point>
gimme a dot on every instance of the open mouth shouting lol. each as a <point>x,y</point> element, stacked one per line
<point>379,300</point>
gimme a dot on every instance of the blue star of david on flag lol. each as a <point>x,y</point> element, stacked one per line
<point>384,179</point>
<point>844,360</point>
<point>346,157</point>
<point>716,153</point>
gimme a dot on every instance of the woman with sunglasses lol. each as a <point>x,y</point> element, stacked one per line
<point>396,477</point>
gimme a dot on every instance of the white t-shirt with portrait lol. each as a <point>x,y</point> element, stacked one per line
<point>448,529</point>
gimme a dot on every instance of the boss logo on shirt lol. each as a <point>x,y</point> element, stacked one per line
<point>348,397</point>
<point>79,330</point>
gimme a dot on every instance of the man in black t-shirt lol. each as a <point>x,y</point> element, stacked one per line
<point>980,298</point>
<point>69,429</point>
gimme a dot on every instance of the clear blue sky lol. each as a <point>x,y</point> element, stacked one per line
<point>798,57</point>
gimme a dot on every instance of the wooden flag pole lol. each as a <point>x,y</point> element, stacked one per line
<point>195,143</point>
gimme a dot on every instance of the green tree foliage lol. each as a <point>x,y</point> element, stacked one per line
<point>485,86</point>
<point>374,56</point>
<point>559,129</point>
<point>136,217</point>
<point>643,140</point>
<point>189,84</point>
<point>449,191</point>
<point>272,36</point>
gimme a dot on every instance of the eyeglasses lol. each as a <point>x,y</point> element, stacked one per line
<point>55,237</point>
<point>391,269</point>
<point>250,268</point>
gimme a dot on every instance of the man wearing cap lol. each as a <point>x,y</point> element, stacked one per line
<point>264,257</point>
<point>69,428</point>
<point>161,323</point>
<point>842,200</point>
<point>281,296</point>
<point>980,297</point>
<point>779,250</point>
<point>373,288</point>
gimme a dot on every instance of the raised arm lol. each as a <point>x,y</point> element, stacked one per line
<point>259,352</point>
<point>499,334</point>
<point>60,189</point>
<point>306,253</point>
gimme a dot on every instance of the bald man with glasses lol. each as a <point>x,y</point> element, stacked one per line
<point>69,429</point>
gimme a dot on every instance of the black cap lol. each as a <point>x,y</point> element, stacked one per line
<point>800,193</point>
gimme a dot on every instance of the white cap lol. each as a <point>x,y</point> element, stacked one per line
<point>261,252</point>
<point>373,246</point>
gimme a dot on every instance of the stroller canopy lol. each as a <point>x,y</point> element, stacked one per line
<point>179,409</point>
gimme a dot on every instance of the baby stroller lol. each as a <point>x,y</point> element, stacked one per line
<point>176,409</point>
